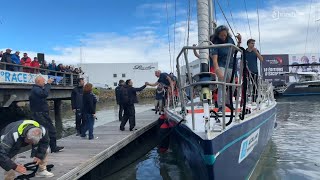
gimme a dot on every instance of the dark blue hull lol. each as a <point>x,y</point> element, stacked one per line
<point>231,155</point>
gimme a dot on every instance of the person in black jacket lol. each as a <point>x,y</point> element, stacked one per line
<point>89,110</point>
<point>6,57</point>
<point>128,97</point>
<point>40,109</point>
<point>117,91</point>
<point>76,103</point>
<point>21,134</point>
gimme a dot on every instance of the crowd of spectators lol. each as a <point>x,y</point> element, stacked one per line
<point>26,62</point>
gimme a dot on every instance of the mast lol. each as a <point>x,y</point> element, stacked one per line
<point>203,37</point>
<point>211,18</point>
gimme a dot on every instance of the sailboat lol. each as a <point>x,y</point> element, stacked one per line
<point>216,145</point>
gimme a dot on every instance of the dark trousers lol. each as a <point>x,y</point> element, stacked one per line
<point>43,119</point>
<point>254,83</point>
<point>78,115</point>
<point>120,112</point>
<point>88,122</point>
<point>129,114</point>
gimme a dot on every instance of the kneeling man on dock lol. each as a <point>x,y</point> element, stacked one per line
<point>128,97</point>
<point>20,134</point>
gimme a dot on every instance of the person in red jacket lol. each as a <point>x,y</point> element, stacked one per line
<point>26,61</point>
<point>35,63</point>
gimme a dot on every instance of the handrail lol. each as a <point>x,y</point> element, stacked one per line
<point>206,47</point>
<point>224,84</point>
<point>29,67</point>
<point>68,77</point>
<point>211,82</point>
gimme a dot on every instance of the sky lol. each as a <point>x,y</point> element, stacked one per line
<point>137,30</point>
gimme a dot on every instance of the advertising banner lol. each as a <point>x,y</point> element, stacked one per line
<point>23,78</point>
<point>272,66</point>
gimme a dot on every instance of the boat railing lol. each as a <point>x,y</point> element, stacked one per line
<point>68,78</point>
<point>238,86</point>
<point>192,84</point>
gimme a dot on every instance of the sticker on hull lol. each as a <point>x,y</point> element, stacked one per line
<point>248,145</point>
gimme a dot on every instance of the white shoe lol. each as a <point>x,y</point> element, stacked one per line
<point>44,174</point>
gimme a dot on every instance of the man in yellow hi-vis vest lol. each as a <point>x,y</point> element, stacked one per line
<point>20,134</point>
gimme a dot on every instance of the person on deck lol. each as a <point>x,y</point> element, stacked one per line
<point>159,99</point>
<point>165,80</point>
<point>40,109</point>
<point>252,54</point>
<point>219,57</point>
<point>117,92</point>
<point>76,104</point>
<point>128,97</point>
<point>89,102</point>
<point>17,135</point>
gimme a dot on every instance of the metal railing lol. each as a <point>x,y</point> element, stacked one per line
<point>69,78</point>
<point>223,83</point>
<point>263,93</point>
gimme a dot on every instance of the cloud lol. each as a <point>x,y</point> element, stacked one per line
<point>283,30</point>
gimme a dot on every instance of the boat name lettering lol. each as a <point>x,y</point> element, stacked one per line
<point>248,145</point>
<point>140,67</point>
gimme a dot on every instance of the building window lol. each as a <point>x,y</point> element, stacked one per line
<point>115,75</point>
<point>123,75</point>
<point>115,84</point>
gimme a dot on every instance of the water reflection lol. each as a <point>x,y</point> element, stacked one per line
<point>295,143</point>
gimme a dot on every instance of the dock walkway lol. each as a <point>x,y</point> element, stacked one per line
<point>82,155</point>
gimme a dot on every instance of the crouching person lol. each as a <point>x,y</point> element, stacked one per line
<point>20,134</point>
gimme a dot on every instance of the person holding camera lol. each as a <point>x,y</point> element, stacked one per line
<point>40,109</point>
<point>89,102</point>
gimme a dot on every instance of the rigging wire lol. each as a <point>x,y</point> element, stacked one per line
<point>168,34</point>
<point>226,19</point>
<point>305,47</point>
<point>234,25</point>
<point>189,19</point>
<point>259,25</point>
<point>174,35</point>
<point>245,5</point>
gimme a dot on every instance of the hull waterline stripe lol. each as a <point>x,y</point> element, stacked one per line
<point>239,138</point>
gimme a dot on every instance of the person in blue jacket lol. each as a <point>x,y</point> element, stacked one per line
<point>15,58</point>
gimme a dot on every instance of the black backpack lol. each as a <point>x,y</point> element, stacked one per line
<point>124,95</point>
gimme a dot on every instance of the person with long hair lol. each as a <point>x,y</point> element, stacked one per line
<point>219,57</point>
<point>89,110</point>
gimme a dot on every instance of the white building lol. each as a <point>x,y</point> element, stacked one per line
<point>194,69</point>
<point>107,75</point>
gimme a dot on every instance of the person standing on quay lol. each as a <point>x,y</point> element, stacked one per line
<point>40,109</point>
<point>89,110</point>
<point>76,104</point>
<point>128,97</point>
<point>117,91</point>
